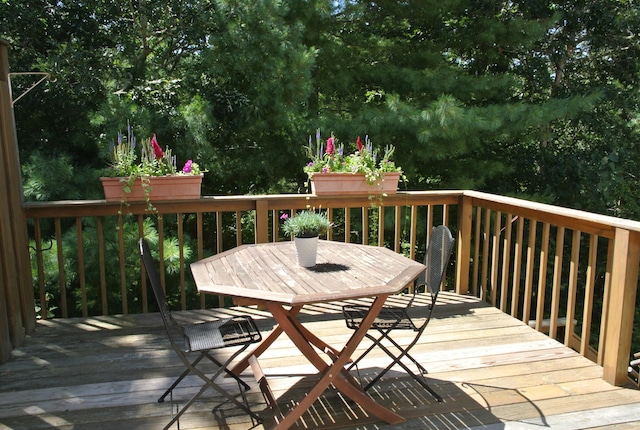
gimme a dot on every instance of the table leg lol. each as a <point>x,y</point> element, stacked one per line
<point>314,340</point>
<point>239,367</point>
<point>330,373</point>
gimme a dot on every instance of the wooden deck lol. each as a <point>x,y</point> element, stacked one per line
<point>493,371</point>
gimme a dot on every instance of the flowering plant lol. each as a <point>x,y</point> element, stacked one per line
<point>153,160</point>
<point>156,167</point>
<point>306,223</point>
<point>332,159</point>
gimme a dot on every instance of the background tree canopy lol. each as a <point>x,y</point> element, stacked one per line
<point>535,99</point>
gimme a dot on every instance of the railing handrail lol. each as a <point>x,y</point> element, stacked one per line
<point>72,208</point>
<point>602,225</point>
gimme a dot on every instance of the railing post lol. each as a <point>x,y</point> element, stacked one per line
<point>262,221</point>
<point>17,280</point>
<point>463,252</point>
<point>624,282</point>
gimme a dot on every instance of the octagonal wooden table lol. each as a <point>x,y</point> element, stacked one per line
<point>268,275</point>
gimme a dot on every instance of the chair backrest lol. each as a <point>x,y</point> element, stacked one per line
<point>437,257</point>
<point>170,324</point>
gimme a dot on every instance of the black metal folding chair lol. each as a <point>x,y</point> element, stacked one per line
<point>202,338</point>
<point>398,318</point>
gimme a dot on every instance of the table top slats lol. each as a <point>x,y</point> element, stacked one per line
<point>270,272</point>
<point>279,279</point>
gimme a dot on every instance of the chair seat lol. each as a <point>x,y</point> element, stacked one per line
<point>220,334</point>
<point>389,317</point>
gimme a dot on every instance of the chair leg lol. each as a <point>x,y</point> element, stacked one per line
<point>245,401</point>
<point>181,377</point>
<point>240,382</point>
<point>385,370</point>
<point>179,413</point>
<point>209,382</point>
<point>357,360</point>
<point>418,378</point>
<point>398,360</point>
<point>404,352</point>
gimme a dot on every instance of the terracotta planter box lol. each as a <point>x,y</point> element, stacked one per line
<point>350,183</point>
<point>162,188</point>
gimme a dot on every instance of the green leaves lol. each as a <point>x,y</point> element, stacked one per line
<point>480,94</point>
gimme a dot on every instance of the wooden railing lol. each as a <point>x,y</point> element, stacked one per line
<point>569,273</point>
<point>547,265</point>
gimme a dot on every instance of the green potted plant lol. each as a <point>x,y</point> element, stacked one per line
<point>154,176</point>
<point>305,227</point>
<point>332,171</point>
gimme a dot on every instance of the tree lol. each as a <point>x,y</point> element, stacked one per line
<point>511,97</point>
<point>590,49</point>
<point>52,121</point>
<point>441,81</point>
<point>222,82</point>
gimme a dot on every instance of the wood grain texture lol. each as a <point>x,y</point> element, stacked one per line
<point>493,371</point>
<point>269,271</point>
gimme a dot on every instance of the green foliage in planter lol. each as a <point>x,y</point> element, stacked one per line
<point>307,223</point>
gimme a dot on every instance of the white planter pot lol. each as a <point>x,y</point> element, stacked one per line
<point>306,250</point>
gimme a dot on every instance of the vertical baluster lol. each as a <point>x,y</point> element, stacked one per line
<point>573,287</point>
<point>528,284</point>
<point>495,254</point>
<point>557,280</point>
<point>542,275</point>
<point>517,267</point>
<point>506,257</point>
<point>587,313</point>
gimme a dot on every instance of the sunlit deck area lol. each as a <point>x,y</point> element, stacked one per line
<point>493,371</point>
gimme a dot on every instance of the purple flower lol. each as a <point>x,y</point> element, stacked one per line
<point>187,166</point>
<point>325,170</point>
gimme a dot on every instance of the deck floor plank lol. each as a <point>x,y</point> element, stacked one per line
<point>493,371</point>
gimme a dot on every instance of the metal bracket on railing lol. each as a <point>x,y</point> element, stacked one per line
<point>44,75</point>
<point>47,248</point>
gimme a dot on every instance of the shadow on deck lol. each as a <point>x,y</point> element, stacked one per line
<point>493,371</point>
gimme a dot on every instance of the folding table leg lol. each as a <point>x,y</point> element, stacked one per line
<point>330,374</point>
<point>262,346</point>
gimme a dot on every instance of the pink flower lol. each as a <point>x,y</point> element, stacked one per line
<point>157,151</point>
<point>187,166</point>
<point>284,216</point>
<point>330,148</point>
<point>359,143</point>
